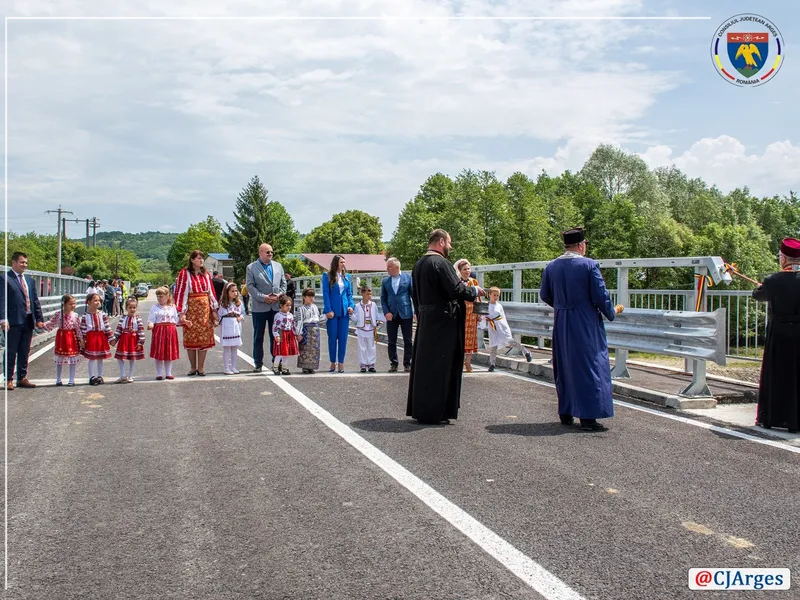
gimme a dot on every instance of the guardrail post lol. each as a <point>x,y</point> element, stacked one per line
<point>620,370</point>
<point>690,365</point>
<point>698,387</point>
<point>516,296</point>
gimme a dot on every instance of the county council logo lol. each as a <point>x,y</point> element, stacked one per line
<point>747,50</point>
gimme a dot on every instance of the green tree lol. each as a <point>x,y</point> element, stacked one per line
<point>350,232</point>
<point>205,235</point>
<point>257,221</point>
<point>560,196</point>
<point>614,229</point>
<point>528,234</point>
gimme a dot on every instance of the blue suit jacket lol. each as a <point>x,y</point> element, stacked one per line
<point>336,302</point>
<point>9,285</point>
<point>399,304</point>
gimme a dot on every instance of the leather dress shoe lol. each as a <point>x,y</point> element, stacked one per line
<point>24,383</point>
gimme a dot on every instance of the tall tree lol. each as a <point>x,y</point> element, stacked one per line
<point>530,228</point>
<point>205,235</point>
<point>258,220</point>
<point>350,232</point>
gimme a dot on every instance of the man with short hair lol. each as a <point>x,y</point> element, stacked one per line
<point>438,295</point>
<point>219,284</point>
<point>265,285</point>
<point>779,386</point>
<point>573,285</point>
<point>24,312</point>
<point>397,307</point>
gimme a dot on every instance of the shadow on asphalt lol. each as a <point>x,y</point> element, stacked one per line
<point>532,429</point>
<point>389,425</point>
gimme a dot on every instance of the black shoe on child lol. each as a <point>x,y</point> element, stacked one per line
<point>393,368</point>
<point>491,368</point>
<point>371,369</point>
<point>363,369</point>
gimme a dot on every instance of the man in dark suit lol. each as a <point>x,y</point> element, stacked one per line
<point>219,284</point>
<point>399,312</point>
<point>24,310</point>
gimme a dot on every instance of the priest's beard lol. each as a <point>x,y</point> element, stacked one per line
<point>445,252</point>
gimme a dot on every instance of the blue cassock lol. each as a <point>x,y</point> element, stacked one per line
<point>574,287</point>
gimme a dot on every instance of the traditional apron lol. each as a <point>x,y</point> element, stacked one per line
<point>200,336</point>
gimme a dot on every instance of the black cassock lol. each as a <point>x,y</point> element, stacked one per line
<point>438,294</point>
<point>779,388</point>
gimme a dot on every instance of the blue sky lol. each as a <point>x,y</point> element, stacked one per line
<point>152,125</point>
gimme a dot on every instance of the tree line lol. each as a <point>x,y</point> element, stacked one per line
<point>627,209</point>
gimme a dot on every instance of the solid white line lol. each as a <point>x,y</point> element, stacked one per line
<point>41,351</point>
<point>529,571</point>
<point>679,419</point>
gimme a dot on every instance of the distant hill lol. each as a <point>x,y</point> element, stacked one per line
<point>150,244</point>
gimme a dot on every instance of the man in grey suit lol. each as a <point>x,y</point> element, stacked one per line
<point>265,284</point>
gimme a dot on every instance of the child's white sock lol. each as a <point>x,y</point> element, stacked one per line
<point>58,372</point>
<point>92,369</point>
<point>72,368</point>
<point>131,367</point>
<point>168,367</point>
<point>99,368</point>
<point>159,368</point>
<point>121,364</point>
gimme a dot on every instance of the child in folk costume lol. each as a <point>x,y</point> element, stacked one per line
<point>163,320</point>
<point>129,340</point>
<point>367,318</point>
<point>500,335</point>
<point>230,322</point>
<point>307,321</point>
<point>68,338</point>
<point>97,334</point>
<point>285,339</point>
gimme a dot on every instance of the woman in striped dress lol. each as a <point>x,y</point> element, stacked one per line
<point>471,321</point>
<point>197,305</point>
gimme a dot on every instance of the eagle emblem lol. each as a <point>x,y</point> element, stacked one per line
<point>748,52</point>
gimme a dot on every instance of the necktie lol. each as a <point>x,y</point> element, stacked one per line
<point>25,293</point>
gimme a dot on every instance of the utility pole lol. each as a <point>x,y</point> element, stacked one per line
<point>87,233</point>
<point>60,212</point>
<point>95,225</point>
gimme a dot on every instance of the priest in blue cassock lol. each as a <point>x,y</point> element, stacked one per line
<point>573,285</point>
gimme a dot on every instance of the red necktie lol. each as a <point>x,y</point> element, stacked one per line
<point>25,293</point>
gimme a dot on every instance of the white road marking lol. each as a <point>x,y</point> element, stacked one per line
<point>529,571</point>
<point>679,419</point>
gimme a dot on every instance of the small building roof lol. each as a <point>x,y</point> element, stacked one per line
<point>219,256</point>
<point>361,263</point>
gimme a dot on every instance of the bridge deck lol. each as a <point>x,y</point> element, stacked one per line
<point>311,487</point>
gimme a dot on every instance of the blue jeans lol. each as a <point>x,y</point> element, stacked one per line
<point>262,320</point>
<point>337,334</point>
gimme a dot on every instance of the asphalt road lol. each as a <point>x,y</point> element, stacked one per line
<point>314,487</point>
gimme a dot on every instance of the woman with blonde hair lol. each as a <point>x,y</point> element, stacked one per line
<point>463,268</point>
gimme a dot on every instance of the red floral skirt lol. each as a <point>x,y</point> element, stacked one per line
<point>97,347</point>
<point>126,347</point>
<point>164,345</point>
<point>67,350</point>
<point>287,345</point>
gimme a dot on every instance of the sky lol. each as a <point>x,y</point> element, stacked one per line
<point>150,125</point>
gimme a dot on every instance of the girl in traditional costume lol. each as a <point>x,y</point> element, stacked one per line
<point>129,340</point>
<point>285,340</point>
<point>68,338</point>
<point>163,320</point>
<point>463,267</point>
<point>96,330</point>
<point>230,321</point>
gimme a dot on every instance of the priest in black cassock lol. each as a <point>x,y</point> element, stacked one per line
<point>779,388</point>
<point>434,389</point>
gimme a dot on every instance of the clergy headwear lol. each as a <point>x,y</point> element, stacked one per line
<point>574,236</point>
<point>790,248</point>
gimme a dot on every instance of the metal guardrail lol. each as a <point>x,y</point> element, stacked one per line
<point>51,284</point>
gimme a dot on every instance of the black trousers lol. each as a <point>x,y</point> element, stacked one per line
<point>391,330</point>
<point>18,347</point>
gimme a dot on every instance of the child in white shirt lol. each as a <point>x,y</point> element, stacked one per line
<point>500,335</point>
<point>368,319</point>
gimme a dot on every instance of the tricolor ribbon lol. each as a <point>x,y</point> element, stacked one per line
<point>491,322</point>
<point>702,282</point>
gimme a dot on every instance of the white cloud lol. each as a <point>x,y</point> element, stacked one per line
<point>726,162</point>
<point>176,116</point>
